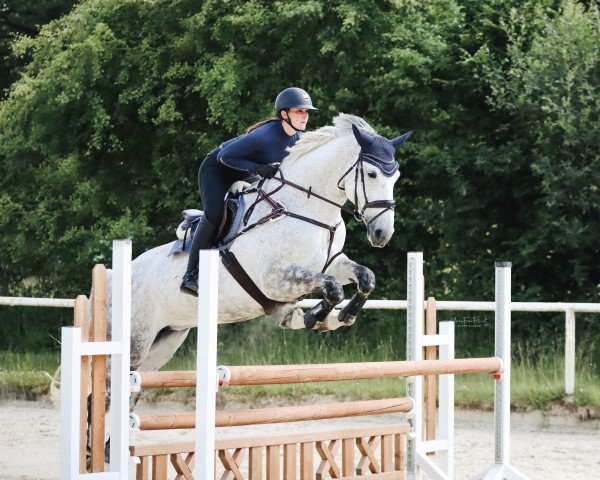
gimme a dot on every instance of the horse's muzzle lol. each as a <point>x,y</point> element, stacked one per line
<point>379,237</point>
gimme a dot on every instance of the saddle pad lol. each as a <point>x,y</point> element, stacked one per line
<point>177,246</point>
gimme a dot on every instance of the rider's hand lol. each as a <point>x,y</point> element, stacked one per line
<point>239,187</point>
<point>267,170</point>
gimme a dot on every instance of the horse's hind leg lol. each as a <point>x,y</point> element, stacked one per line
<point>161,351</point>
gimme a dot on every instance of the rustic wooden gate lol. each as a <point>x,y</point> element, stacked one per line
<point>374,451</point>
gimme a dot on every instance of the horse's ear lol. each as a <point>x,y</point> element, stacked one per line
<point>396,142</point>
<point>364,139</point>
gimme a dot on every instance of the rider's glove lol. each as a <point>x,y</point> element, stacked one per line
<point>267,170</point>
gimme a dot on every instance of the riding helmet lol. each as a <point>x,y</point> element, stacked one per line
<point>293,97</point>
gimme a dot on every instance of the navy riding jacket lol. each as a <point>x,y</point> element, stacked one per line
<point>237,159</point>
<point>266,144</point>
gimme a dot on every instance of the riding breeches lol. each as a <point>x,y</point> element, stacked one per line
<point>214,184</point>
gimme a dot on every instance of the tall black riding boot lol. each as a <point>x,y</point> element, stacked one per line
<point>203,237</point>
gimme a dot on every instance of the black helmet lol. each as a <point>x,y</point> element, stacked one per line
<point>293,97</point>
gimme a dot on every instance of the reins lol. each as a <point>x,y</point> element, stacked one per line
<point>279,211</point>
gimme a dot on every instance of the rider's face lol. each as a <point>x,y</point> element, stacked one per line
<point>298,117</point>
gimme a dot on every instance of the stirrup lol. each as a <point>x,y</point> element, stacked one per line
<point>189,284</point>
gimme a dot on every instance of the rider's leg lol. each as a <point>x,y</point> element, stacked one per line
<point>203,237</point>
<point>212,189</point>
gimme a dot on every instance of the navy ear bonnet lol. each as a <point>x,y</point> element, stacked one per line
<point>381,154</point>
<point>378,150</point>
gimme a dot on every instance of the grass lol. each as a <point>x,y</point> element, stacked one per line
<point>537,373</point>
<point>29,362</point>
<point>27,375</point>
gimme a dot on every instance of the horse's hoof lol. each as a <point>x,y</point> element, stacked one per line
<point>322,328</point>
<point>310,320</point>
<point>332,322</point>
<point>348,320</point>
<point>189,291</point>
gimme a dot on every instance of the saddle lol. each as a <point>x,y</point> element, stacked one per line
<point>230,209</point>
<point>231,220</point>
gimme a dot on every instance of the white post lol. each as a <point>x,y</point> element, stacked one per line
<point>502,339</point>
<point>502,469</point>
<point>414,351</point>
<point>206,370</point>
<point>570,352</point>
<point>70,386</point>
<point>120,363</point>
<point>446,402</point>
<point>417,461</point>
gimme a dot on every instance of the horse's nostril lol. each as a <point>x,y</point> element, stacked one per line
<point>378,234</point>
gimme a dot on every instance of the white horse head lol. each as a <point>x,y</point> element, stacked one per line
<point>361,163</point>
<point>371,191</point>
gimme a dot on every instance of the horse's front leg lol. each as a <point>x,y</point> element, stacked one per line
<point>346,271</point>
<point>299,281</point>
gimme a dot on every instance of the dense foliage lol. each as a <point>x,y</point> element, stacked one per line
<point>19,18</point>
<point>118,101</point>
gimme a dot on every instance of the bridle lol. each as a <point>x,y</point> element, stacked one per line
<point>359,215</point>
<point>278,210</point>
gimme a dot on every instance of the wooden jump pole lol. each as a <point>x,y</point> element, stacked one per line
<point>98,398</point>
<point>327,372</point>
<point>81,318</point>
<point>259,416</point>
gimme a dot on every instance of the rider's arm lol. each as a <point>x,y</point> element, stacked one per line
<point>235,155</point>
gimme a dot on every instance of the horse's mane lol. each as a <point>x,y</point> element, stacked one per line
<point>342,125</point>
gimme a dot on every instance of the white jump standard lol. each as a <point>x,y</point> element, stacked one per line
<point>72,350</point>
<point>417,448</point>
<point>502,469</point>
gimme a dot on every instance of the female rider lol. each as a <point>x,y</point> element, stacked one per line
<point>258,152</point>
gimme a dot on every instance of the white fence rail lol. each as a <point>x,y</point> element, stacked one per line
<point>569,310</point>
<point>37,302</point>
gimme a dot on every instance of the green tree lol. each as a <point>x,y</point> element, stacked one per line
<point>547,91</point>
<point>19,18</point>
<point>103,134</point>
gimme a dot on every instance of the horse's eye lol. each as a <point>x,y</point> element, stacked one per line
<point>372,174</point>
